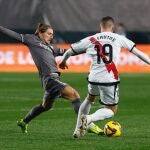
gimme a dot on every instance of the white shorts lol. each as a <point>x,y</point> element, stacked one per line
<point>109,95</point>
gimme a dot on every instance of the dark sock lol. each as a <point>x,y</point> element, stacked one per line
<point>76,105</point>
<point>35,111</point>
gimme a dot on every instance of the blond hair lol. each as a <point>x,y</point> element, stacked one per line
<point>41,28</point>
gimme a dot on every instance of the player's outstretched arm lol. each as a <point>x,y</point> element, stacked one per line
<point>11,33</point>
<point>141,55</point>
<point>66,55</point>
<point>77,48</point>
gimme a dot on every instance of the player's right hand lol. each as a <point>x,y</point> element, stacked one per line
<point>63,65</point>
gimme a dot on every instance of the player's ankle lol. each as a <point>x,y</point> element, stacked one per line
<point>89,119</point>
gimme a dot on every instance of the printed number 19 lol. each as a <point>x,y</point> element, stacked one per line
<point>106,54</point>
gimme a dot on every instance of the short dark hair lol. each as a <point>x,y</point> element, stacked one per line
<point>41,27</point>
<point>106,20</point>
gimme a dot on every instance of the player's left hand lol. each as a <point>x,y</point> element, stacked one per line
<point>63,65</point>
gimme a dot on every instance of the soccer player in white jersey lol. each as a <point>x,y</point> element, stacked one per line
<point>104,49</point>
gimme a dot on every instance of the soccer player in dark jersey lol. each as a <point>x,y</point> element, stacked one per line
<point>43,54</point>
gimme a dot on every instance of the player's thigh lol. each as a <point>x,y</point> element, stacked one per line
<point>109,95</point>
<point>53,90</point>
<point>93,89</point>
<point>69,93</point>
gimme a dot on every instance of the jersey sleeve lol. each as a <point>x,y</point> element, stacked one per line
<point>10,33</point>
<point>26,38</point>
<point>126,43</point>
<point>81,46</point>
<point>58,52</point>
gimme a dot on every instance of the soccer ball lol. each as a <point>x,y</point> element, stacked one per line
<point>112,129</point>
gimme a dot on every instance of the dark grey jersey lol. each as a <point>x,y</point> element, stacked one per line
<point>42,54</point>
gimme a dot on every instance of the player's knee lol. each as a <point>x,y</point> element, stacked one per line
<point>91,98</point>
<point>113,108</point>
<point>75,94</point>
<point>70,93</point>
<point>46,106</point>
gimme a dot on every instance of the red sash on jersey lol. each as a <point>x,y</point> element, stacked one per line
<point>111,66</point>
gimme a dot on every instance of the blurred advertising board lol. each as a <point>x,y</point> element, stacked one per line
<point>17,58</point>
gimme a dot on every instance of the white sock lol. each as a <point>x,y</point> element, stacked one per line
<point>84,109</point>
<point>100,114</point>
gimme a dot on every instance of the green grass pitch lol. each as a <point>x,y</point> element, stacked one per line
<point>53,130</point>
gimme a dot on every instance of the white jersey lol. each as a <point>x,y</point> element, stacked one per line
<point>104,49</point>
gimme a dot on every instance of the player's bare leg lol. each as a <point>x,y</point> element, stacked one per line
<point>67,92</point>
<point>72,95</point>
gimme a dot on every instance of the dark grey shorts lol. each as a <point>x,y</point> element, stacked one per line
<point>53,89</point>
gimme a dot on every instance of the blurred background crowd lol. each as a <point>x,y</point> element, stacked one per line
<point>76,19</point>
